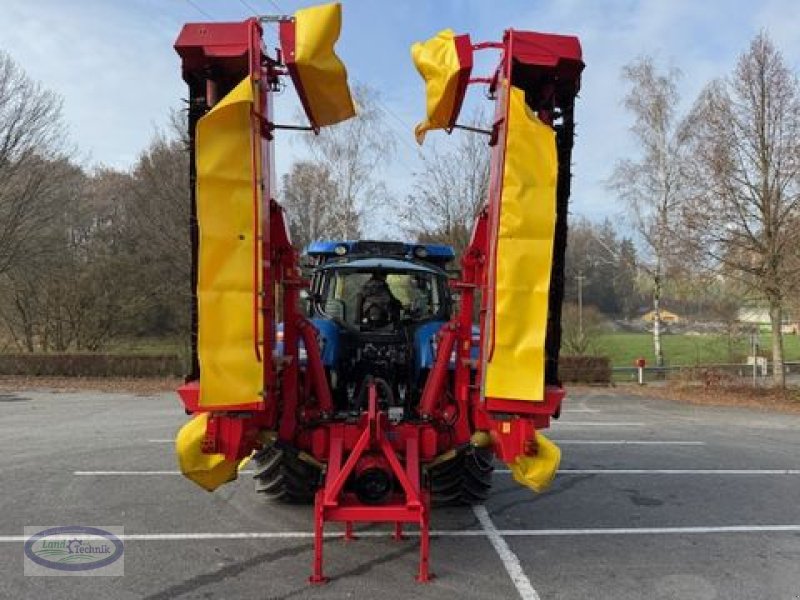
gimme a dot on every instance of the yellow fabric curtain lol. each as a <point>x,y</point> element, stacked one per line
<point>322,74</point>
<point>523,257</point>
<point>230,373</point>
<point>437,62</point>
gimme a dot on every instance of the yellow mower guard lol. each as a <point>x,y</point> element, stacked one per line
<point>319,75</point>
<point>209,471</point>
<point>537,472</point>
<point>445,63</point>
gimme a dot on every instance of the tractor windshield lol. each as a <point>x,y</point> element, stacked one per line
<point>356,296</point>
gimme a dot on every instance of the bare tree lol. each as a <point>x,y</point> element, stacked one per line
<point>651,185</point>
<point>31,138</point>
<point>84,258</point>
<point>742,212</point>
<point>600,268</point>
<point>111,259</point>
<point>354,153</point>
<point>450,190</point>
<point>307,191</point>
<point>157,204</point>
<point>71,292</point>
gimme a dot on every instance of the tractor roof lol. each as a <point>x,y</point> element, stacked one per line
<point>438,254</point>
<point>383,264</point>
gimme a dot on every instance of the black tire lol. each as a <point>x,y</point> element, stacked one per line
<point>465,479</point>
<point>282,476</point>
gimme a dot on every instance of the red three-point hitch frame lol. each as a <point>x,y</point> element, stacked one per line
<point>334,503</point>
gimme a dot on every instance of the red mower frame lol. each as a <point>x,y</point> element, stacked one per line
<point>296,401</point>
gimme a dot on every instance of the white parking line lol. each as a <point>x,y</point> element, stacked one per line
<point>672,471</point>
<point>139,473</point>
<point>291,535</point>
<point>569,411</point>
<point>651,530</point>
<point>631,442</point>
<point>599,423</point>
<point>561,472</point>
<point>257,535</point>
<point>503,471</point>
<point>588,442</point>
<point>507,556</point>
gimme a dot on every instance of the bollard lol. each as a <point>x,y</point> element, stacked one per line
<point>640,364</point>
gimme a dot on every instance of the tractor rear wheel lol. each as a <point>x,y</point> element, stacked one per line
<point>282,476</point>
<point>463,480</point>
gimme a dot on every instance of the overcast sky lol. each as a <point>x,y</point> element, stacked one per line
<point>112,62</point>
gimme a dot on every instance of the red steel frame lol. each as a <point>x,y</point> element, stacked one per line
<point>217,56</point>
<point>332,503</point>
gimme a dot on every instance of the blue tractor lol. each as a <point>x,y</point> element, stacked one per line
<point>378,307</point>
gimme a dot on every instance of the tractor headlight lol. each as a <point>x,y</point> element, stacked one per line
<point>340,250</point>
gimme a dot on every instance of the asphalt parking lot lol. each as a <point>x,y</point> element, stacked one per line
<point>655,500</point>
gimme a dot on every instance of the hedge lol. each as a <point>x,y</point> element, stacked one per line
<point>585,369</point>
<point>572,369</point>
<point>91,365</point>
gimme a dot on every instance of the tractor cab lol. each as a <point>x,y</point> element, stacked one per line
<point>378,307</point>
